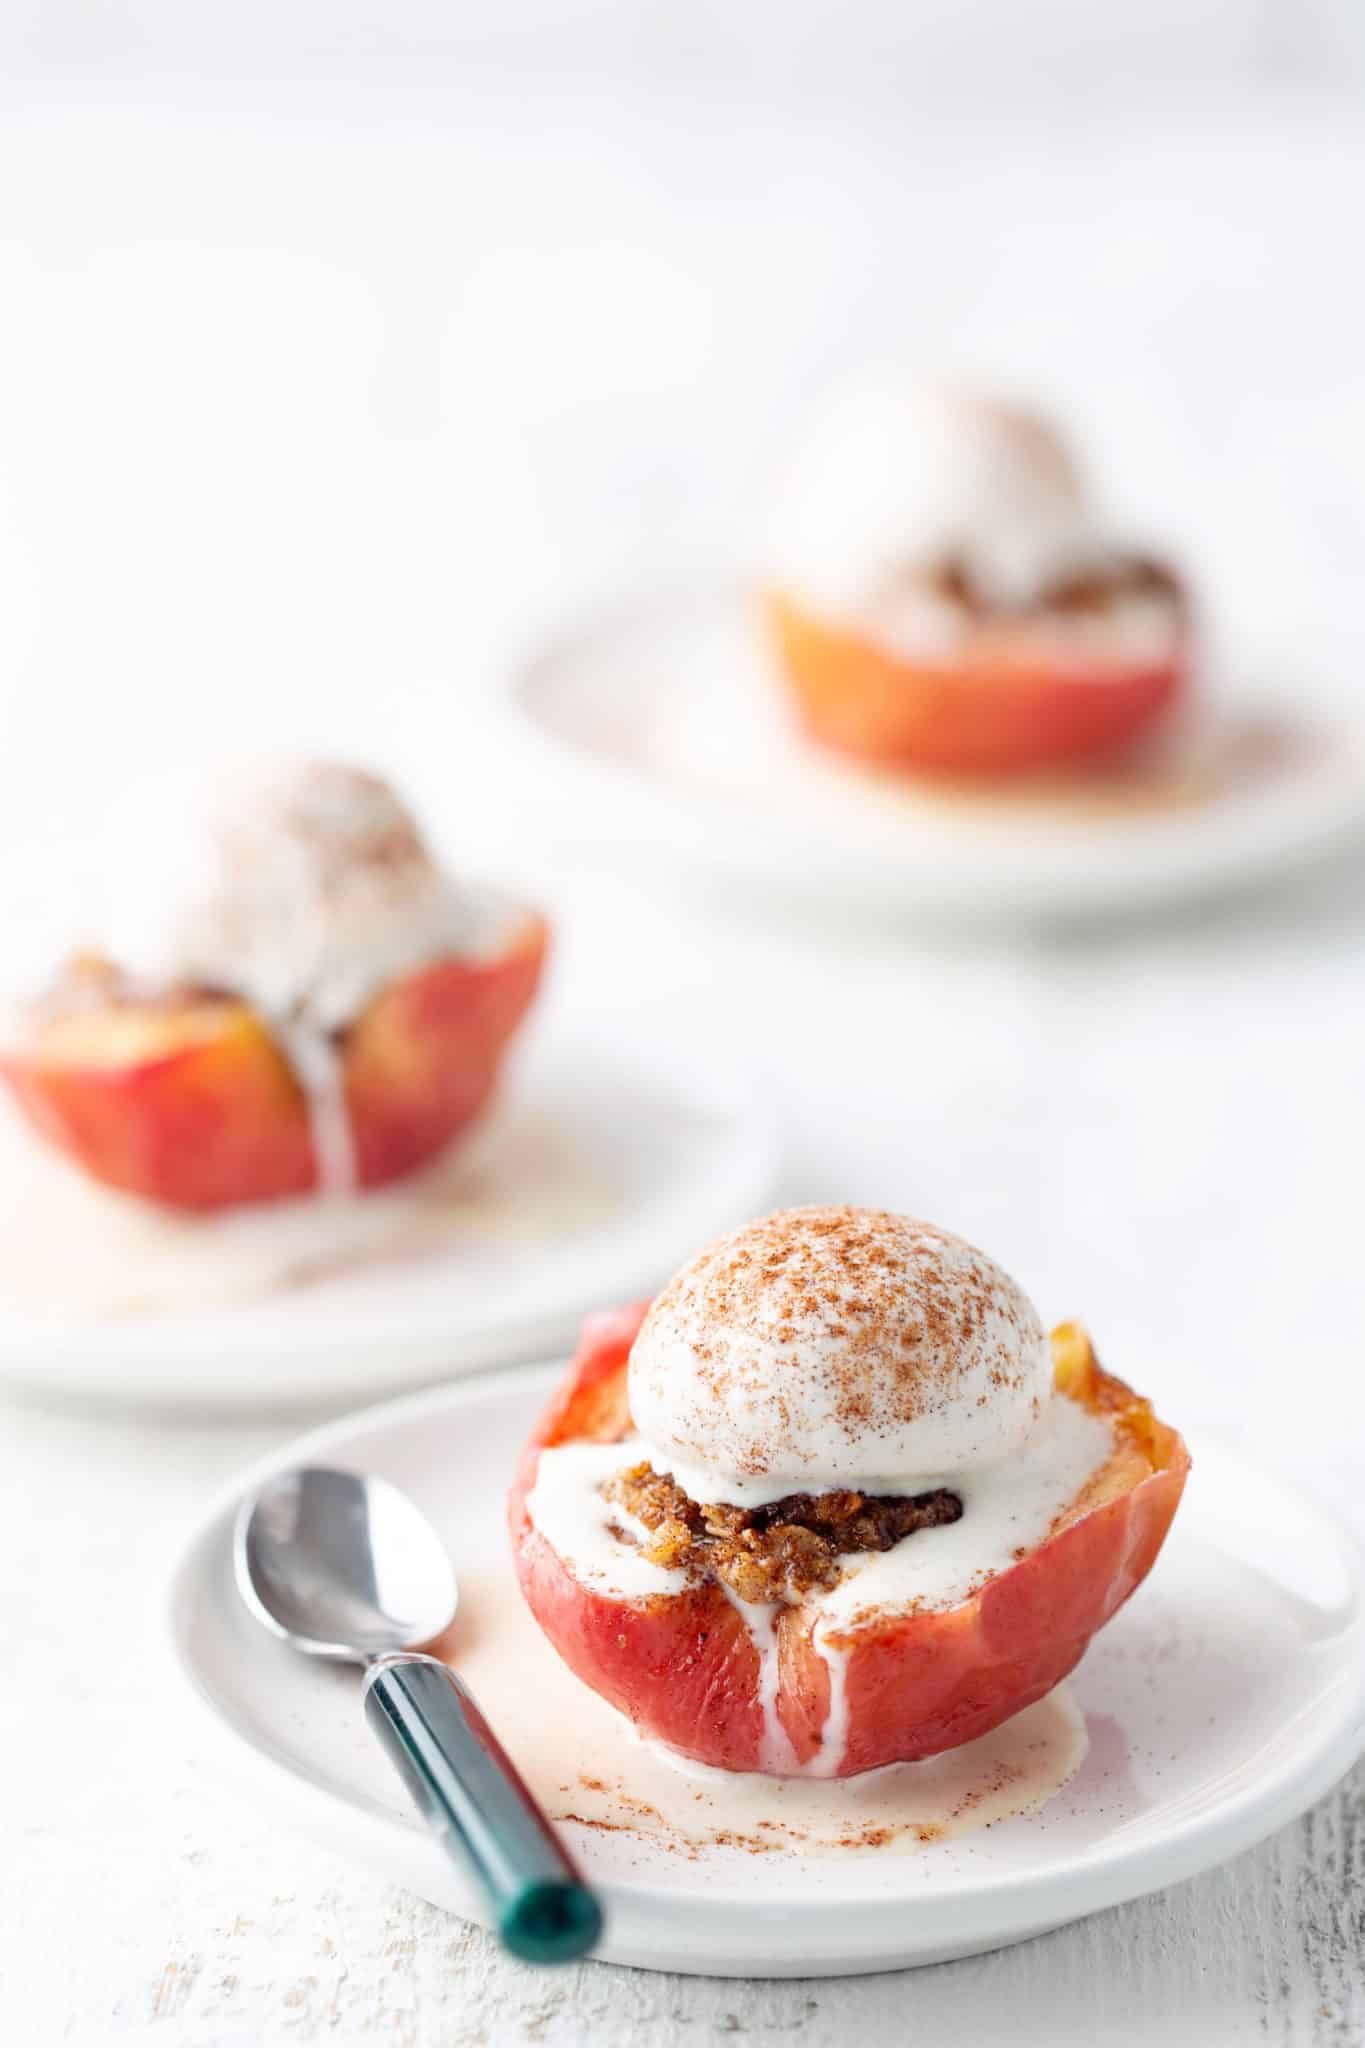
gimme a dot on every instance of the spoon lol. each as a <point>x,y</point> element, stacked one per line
<point>344,1566</point>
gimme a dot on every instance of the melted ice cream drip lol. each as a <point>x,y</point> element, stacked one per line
<point>319,1069</point>
<point>775,1750</point>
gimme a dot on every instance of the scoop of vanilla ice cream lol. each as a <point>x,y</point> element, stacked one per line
<point>835,1347</point>
<point>895,476</point>
<point>303,886</point>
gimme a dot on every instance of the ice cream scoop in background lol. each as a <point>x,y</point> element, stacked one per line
<point>302,885</point>
<point>894,472</point>
<point>945,595</point>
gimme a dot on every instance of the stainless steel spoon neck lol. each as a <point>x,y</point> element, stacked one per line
<point>384,1660</point>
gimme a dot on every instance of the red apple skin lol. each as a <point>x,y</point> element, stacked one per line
<point>991,714</point>
<point>682,1667</point>
<point>196,1107</point>
<point>425,1057</point>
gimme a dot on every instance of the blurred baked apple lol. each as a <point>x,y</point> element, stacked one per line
<point>311,1006</point>
<point>943,597</point>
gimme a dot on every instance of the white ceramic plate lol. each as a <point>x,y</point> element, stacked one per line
<point>660,724</point>
<point>1228,1696</point>
<point>609,1154</point>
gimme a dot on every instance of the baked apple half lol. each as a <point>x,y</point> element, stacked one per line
<point>193,1101</point>
<point>943,597</point>
<point>325,1013</point>
<point>689,1534</point>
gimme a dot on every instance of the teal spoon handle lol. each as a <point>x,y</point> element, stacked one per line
<point>470,1793</point>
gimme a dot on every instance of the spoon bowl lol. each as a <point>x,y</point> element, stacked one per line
<point>343,1565</point>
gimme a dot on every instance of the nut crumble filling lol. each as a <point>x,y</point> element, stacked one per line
<point>779,1552</point>
<point>1085,593</point>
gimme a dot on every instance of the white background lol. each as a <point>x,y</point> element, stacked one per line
<point>335,352</point>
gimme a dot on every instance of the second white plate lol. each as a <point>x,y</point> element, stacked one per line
<point>608,1159</point>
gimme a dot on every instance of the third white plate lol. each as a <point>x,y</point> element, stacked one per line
<point>659,724</point>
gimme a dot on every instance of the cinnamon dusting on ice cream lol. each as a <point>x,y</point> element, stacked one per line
<point>827,1346</point>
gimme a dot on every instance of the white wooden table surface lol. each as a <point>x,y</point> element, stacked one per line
<point>139,1897</point>
<point>333,352</point>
